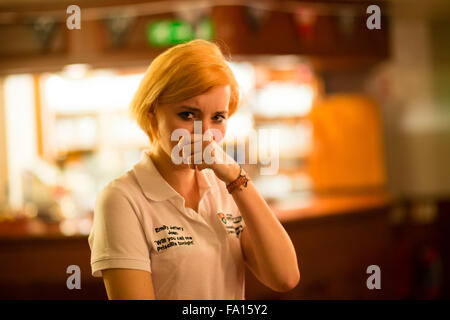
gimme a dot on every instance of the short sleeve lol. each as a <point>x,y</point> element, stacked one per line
<point>117,239</point>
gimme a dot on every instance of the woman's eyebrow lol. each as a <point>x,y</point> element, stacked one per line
<point>191,108</point>
<point>198,110</point>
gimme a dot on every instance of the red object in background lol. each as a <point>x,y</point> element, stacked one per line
<point>59,191</point>
<point>403,272</point>
<point>418,269</point>
<point>431,266</point>
<point>306,32</point>
<point>303,74</point>
<point>306,20</point>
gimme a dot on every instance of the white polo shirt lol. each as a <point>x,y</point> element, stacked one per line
<point>141,222</point>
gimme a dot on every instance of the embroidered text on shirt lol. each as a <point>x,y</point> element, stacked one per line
<point>174,238</point>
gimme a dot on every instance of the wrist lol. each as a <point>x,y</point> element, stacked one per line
<point>234,173</point>
<point>238,183</point>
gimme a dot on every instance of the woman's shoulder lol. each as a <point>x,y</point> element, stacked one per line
<point>119,199</point>
<point>123,186</point>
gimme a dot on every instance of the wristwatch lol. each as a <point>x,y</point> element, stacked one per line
<point>240,181</point>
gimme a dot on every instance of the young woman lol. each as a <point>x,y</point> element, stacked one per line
<point>168,230</point>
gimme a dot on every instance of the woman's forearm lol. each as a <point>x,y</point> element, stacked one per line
<point>271,245</point>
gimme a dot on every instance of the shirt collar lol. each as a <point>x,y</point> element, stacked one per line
<point>154,186</point>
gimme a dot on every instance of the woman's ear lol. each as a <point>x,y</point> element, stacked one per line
<point>153,121</point>
<point>151,115</point>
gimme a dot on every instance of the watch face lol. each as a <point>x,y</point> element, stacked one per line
<point>240,181</point>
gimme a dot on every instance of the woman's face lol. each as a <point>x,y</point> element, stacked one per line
<point>211,108</point>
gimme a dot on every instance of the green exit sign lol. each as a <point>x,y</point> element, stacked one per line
<point>170,32</point>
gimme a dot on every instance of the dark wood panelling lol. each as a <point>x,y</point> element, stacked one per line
<point>333,255</point>
<point>20,50</point>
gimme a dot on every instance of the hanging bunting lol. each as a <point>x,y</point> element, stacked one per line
<point>305,18</point>
<point>346,21</point>
<point>118,25</point>
<point>256,17</point>
<point>204,29</point>
<point>44,28</point>
<point>159,33</point>
<point>198,17</point>
<point>188,13</point>
<point>164,33</point>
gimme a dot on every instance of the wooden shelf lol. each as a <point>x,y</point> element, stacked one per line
<point>284,119</point>
<point>59,115</point>
<point>279,35</point>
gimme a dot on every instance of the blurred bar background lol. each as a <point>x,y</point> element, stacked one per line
<point>363,118</point>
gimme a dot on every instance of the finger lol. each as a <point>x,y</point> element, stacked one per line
<point>201,167</point>
<point>197,147</point>
<point>192,161</point>
<point>195,138</point>
<point>189,151</point>
<point>189,139</point>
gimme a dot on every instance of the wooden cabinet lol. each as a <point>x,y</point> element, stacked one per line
<point>333,253</point>
<point>35,268</point>
<point>348,152</point>
<point>335,39</point>
<point>326,36</point>
<point>335,242</point>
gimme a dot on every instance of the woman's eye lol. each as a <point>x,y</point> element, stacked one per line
<point>219,118</point>
<point>185,115</point>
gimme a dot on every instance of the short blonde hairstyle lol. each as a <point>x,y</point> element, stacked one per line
<point>180,73</point>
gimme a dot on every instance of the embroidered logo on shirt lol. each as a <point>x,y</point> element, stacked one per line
<point>222,217</point>
<point>233,224</point>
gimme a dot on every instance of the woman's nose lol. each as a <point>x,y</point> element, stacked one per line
<point>205,126</point>
<point>199,124</point>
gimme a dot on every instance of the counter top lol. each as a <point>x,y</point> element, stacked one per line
<point>314,207</point>
<point>321,206</point>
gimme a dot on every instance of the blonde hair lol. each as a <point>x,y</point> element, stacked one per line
<point>180,73</point>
